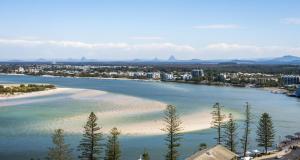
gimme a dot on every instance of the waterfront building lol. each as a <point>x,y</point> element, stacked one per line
<point>113,74</point>
<point>197,73</point>
<point>187,76</point>
<point>221,77</point>
<point>156,75</point>
<point>139,75</point>
<point>290,80</point>
<point>33,70</point>
<point>298,91</point>
<point>266,80</point>
<point>21,70</point>
<point>131,74</point>
<point>217,152</point>
<point>167,76</point>
<point>149,75</point>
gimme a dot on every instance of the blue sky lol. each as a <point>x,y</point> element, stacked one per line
<point>128,29</point>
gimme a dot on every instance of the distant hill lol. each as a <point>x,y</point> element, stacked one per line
<point>172,58</point>
<point>288,59</point>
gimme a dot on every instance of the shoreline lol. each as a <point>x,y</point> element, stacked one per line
<point>273,90</point>
<point>32,94</point>
<point>100,78</point>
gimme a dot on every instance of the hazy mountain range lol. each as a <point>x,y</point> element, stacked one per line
<point>288,59</point>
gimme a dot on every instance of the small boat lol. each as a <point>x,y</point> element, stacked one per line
<point>291,94</point>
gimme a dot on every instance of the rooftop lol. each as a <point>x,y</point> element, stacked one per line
<point>217,152</point>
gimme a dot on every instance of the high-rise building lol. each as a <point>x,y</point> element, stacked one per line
<point>197,73</point>
<point>298,92</point>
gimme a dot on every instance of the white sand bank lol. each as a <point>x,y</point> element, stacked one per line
<point>192,122</point>
<point>34,94</point>
<point>132,115</point>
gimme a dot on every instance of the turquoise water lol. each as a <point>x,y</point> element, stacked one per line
<point>20,140</point>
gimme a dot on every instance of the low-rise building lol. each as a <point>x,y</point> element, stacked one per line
<point>20,70</point>
<point>265,80</point>
<point>156,75</point>
<point>217,152</point>
<point>187,76</point>
<point>167,76</point>
<point>290,80</point>
<point>153,75</point>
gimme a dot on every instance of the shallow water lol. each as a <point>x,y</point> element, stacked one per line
<point>25,124</point>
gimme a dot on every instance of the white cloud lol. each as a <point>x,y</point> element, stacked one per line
<point>83,45</point>
<point>27,48</point>
<point>291,21</point>
<point>23,48</point>
<point>75,44</point>
<point>163,46</point>
<point>232,47</point>
<point>146,38</point>
<point>217,26</point>
<point>234,50</point>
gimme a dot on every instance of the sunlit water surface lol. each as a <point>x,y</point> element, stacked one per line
<point>26,123</point>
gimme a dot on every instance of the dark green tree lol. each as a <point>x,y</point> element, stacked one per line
<point>90,145</point>
<point>247,123</point>
<point>173,129</point>
<point>60,151</point>
<point>218,121</point>
<point>230,133</point>
<point>113,151</point>
<point>265,132</point>
<point>145,155</point>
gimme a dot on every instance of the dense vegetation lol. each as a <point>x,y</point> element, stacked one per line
<point>170,67</point>
<point>24,88</point>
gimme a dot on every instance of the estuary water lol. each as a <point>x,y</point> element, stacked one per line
<point>26,124</point>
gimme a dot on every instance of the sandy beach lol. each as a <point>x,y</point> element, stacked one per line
<point>193,122</point>
<point>275,90</point>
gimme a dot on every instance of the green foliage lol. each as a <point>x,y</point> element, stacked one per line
<point>173,129</point>
<point>60,151</point>
<point>24,89</point>
<point>113,151</point>
<point>230,134</point>
<point>265,132</point>
<point>90,145</point>
<point>202,146</point>
<point>247,123</point>
<point>145,155</point>
<point>218,121</point>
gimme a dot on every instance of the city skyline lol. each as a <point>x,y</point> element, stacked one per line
<point>126,30</point>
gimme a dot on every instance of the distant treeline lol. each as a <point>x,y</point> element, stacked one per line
<point>179,67</point>
<point>233,68</point>
<point>24,88</point>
